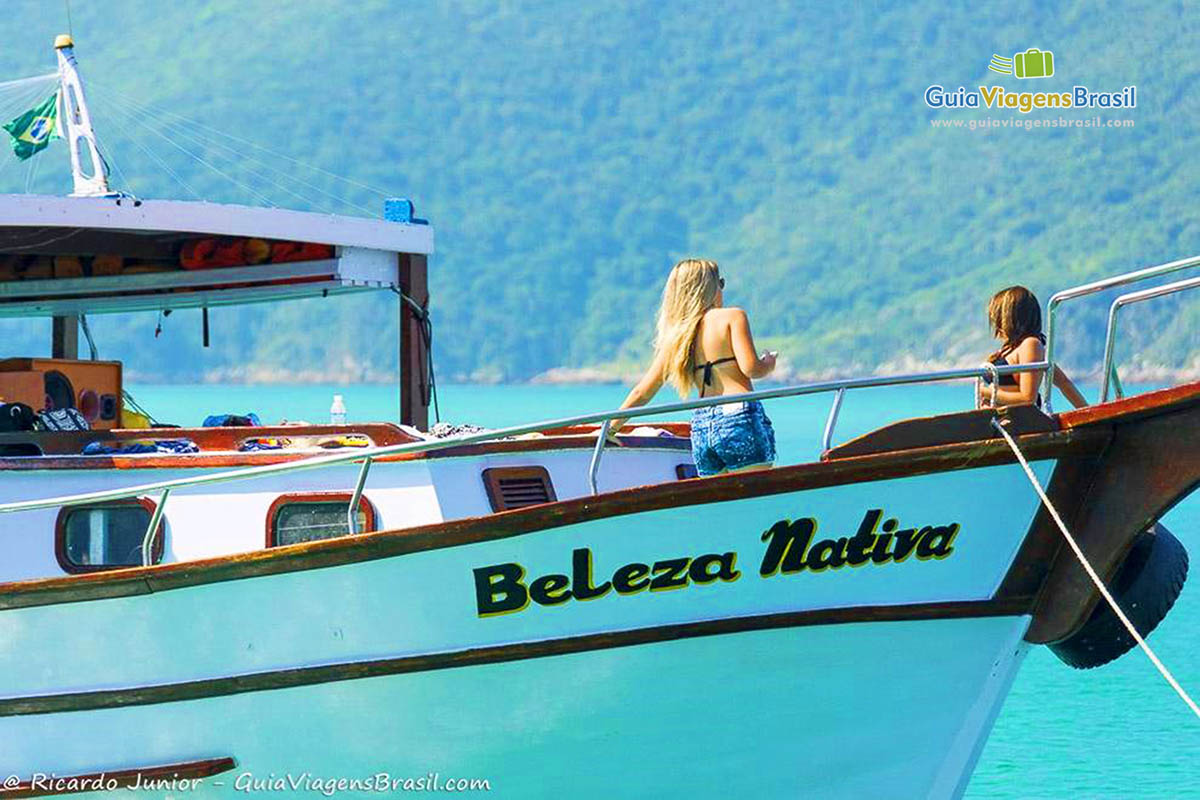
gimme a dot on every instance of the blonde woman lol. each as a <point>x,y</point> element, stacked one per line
<point>702,344</point>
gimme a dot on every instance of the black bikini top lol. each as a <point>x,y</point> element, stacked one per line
<point>1005,380</point>
<point>707,366</point>
<point>1000,359</point>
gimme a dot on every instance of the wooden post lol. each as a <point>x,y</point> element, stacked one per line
<point>414,358</point>
<point>64,337</point>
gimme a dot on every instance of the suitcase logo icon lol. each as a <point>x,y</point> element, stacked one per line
<point>1033,63</point>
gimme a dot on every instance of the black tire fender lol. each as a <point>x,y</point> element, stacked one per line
<point>1145,586</point>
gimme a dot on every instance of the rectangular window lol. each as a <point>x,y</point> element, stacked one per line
<point>297,518</point>
<point>105,536</point>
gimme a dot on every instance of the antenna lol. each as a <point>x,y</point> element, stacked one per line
<point>87,167</point>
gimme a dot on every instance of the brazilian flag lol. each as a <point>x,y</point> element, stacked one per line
<point>34,129</point>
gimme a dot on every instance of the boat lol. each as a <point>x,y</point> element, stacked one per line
<point>373,607</point>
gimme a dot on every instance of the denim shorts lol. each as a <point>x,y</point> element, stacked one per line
<point>731,436</point>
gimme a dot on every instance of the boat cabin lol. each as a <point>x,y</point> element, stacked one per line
<point>69,425</point>
<point>110,254</point>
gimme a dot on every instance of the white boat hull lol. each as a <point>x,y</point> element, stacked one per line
<point>831,711</point>
<point>737,676</point>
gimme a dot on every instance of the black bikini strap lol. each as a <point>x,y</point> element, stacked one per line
<point>707,366</point>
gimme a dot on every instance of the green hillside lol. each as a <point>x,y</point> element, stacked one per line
<point>568,153</point>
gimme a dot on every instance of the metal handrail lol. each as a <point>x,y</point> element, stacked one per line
<point>594,467</point>
<point>1118,390</point>
<point>1091,288</point>
<point>831,421</point>
<point>1110,338</point>
<point>356,497</point>
<point>152,528</point>
<point>374,453</point>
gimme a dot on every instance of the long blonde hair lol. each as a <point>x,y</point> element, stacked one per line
<point>691,290</point>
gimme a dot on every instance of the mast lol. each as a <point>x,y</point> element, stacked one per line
<point>87,167</point>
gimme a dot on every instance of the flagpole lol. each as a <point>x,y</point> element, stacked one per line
<point>76,122</point>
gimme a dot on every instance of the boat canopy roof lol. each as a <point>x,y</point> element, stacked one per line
<point>71,255</point>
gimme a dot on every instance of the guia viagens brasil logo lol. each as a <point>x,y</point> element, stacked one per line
<point>1028,65</point>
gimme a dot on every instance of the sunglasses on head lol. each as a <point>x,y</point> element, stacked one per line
<point>721,282</point>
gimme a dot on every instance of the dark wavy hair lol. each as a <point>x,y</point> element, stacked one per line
<point>1015,315</point>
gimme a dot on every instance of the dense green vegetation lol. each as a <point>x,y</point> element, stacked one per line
<point>567,153</point>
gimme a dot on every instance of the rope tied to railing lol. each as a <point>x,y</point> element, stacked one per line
<point>1091,572</point>
<point>993,379</point>
<point>420,312</point>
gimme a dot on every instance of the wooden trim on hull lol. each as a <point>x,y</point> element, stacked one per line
<point>327,673</point>
<point>69,443</point>
<point>140,777</point>
<point>1129,409</point>
<point>963,426</point>
<point>1043,542</point>
<point>386,544</point>
<point>215,460</point>
<point>1107,497</point>
<point>1150,465</point>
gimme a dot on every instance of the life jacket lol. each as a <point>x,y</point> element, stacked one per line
<point>282,252</point>
<point>211,252</point>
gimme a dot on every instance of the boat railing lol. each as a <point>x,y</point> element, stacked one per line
<point>1083,290</point>
<point>1109,369</point>
<point>369,455</point>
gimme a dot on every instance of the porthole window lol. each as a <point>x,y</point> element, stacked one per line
<point>105,536</point>
<point>297,518</point>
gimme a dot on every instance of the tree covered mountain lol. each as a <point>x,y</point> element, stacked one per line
<point>567,153</point>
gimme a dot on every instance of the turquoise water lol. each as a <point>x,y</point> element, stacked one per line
<point>1115,732</point>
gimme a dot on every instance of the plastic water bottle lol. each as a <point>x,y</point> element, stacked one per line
<point>337,411</point>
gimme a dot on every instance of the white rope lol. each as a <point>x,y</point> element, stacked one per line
<point>191,137</point>
<point>258,195</point>
<point>226,135</point>
<point>71,233</point>
<point>197,138</point>
<point>17,97</point>
<point>20,101</point>
<point>25,94</point>
<point>109,158</point>
<point>166,167</point>
<point>1137,637</point>
<point>132,116</point>
<point>29,176</point>
<point>994,376</point>
<point>26,81</point>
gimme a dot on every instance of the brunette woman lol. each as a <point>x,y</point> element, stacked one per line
<point>1016,320</point>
